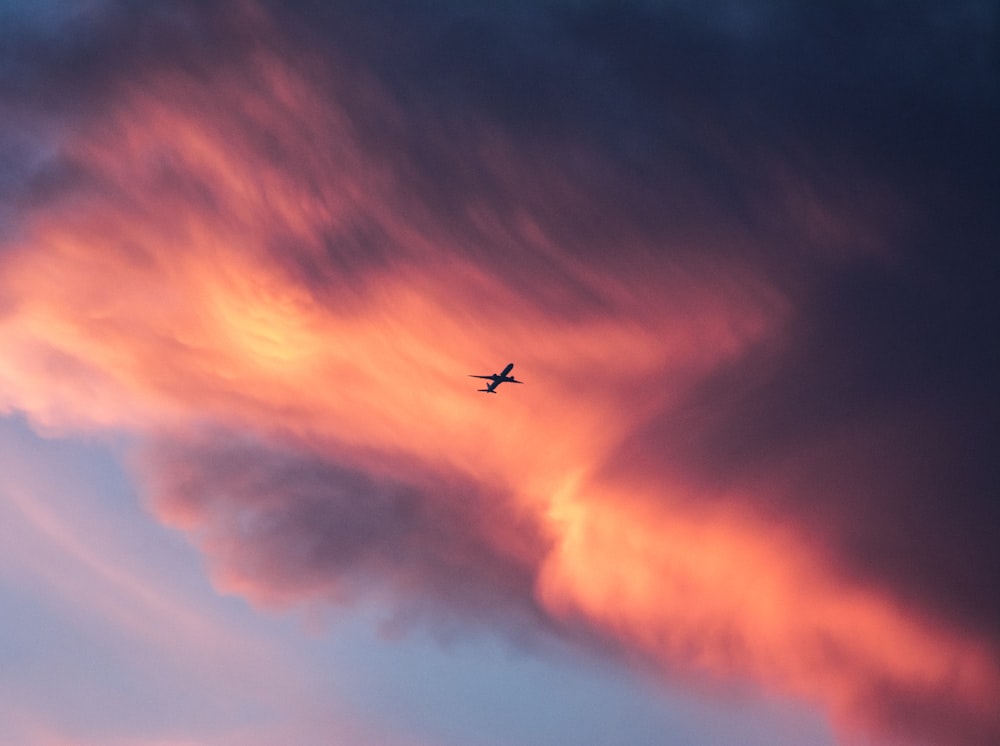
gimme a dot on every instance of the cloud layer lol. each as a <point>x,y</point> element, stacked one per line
<point>749,304</point>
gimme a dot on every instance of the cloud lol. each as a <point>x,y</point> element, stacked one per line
<point>753,444</point>
<point>112,636</point>
<point>283,525</point>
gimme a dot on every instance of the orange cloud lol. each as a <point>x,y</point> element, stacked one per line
<point>717,592</point>
<point>240,258</point>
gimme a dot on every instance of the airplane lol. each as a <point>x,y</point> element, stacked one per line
<point>497,378</point>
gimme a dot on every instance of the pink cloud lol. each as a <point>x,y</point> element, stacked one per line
<point>247,276</point>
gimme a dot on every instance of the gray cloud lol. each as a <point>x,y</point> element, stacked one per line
<point>284,525</point>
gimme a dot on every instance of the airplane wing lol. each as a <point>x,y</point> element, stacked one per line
<point>490,378</point>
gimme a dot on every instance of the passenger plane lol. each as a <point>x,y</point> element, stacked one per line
<point>497,378</point>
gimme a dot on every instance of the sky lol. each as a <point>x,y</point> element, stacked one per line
<point>742,254</point>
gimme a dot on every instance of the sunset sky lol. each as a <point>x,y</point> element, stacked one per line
<point>744,255</point>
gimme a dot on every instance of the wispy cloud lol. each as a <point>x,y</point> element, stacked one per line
<point>275,256</point>
<point>110,634</point>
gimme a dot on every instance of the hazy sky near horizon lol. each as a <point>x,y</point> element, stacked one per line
<point>743,255</point>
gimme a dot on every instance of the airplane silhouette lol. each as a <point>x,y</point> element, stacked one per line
<point>497,378</point>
